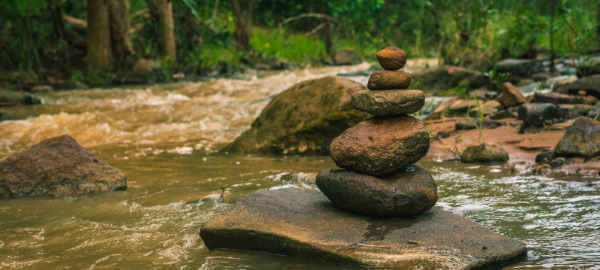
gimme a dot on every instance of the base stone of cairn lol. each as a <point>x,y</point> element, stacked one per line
<point>377,211</point>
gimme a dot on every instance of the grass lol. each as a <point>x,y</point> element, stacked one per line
<point>293,48</point>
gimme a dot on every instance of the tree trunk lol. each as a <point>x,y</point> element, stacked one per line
<point>99,54</point>
<point>122,47</point>
<point>242,14</point>
<point>162,12</point>
<point>598,24</point>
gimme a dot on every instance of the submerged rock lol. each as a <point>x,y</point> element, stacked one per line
<point>389,102</point>
<point>485,152</point>
<point>304,223</point>
<point>581,139</point>
<point>379,146</point>
<point>408,192</point>
<point>302,119</point>
<point>57,167</point>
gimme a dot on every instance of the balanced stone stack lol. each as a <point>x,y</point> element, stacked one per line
<point>379,177</point>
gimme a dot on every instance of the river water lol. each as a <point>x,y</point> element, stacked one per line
<point>165,138</point>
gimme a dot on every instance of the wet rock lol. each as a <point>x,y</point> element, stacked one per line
<point>388,80</point>
<point>571,111</point>
<point>487,108</point>
<point>556,98</point>
<point>347,57</point>
<point>408,192</point>
<point>474,123</point>
<point>538,114</point>
<point>439,79</point>
<point>591,86</point>
<point>581,139</point>
<point>511,96</point>
<point>558,162</point>
<point>545,157</point>
<point>391,58</point>
<point>463,105</point>
<point>389,102</point>
<point>304,223</point>
<point>57,167</point>
<point>302,119</point>
<point>381,146</point>
<point>485,152</point>
<point>12,98</point>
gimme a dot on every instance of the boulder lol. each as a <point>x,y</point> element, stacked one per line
<point>436,80</point>
<point>12,98</point>
<point>391,58</point>
<point>474,123</point>
<point>347,57</point>
<point>594,111</point>
<point>511,96</point>
<point>545,157</point>
<point>379,146</point>
<point>581,139</point>
<point>388,80</point>
<point>302,119</point>
<point>520,68</point>
<point>556,98</point>
<point>389,102</point>
<point>485,152</point>
<point>538,114</point>
<point>591,86</point>
<point>304,223</point>
<point>409,192</point>
<point>57,167</point>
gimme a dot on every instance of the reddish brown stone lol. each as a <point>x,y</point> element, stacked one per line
<point>388,102</point>
<point>511,95</point>
<point>408,192</point>
<point>391,58</point>
<point>388,80</point>
<point>380,146</point>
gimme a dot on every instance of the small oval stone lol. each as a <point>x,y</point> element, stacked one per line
<point>391,58</point>
<point>380,146</point>
<point>389,102</point>
<point>408,192</point>
<point>388,80</point>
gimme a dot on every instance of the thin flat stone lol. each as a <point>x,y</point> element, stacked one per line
<point>389,102</point>
<point>388,80</point>
<point>304,223</point>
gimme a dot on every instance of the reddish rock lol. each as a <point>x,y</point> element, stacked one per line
<point>511,96</point>
<point>391,58</point>
<point>408,192</point>
<point>388,80</point>
<point>380,146</point>
<point>389,102</point>
<point>57,167</point>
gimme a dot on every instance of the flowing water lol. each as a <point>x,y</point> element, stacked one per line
<point>165,138</point>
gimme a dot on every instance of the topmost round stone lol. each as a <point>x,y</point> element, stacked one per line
<point>391,58</point>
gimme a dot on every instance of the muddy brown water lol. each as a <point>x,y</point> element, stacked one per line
<point>164,138</point>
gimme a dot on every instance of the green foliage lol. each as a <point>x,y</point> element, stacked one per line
<point>459,91</point>
<point>294,48</point>
<point>480,117</point>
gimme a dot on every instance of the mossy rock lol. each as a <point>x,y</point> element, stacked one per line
<point>302,119</point>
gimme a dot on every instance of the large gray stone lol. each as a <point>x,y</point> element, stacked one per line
<point>389,102</point>
<point>302,119</point>
<point>408,192</point>
<point>57,167</point>
<point>581,139</point>
<point>304,223</point>
<point>381,146</point>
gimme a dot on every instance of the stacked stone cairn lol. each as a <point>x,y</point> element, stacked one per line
<point>377,155</point>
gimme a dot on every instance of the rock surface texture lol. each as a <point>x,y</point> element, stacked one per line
<point>389,102</point>
<point>303,223</point>
<point>485,152</point>
<point>581,139</point>
<point>57,167</point>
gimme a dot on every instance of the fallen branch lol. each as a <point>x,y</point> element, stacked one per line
<point>373,246</point>
<point>78,24</point>
<point>307,15</point>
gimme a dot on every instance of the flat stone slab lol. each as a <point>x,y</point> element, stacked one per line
<point>304,223</point>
